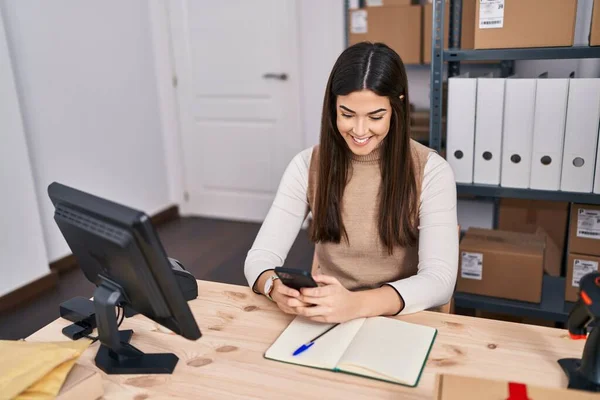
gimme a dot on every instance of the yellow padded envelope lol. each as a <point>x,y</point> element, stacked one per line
<point>34,370</point>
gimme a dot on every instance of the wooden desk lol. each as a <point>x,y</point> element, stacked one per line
<point>238,326</point>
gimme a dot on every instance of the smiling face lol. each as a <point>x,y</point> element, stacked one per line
<point>363,120</point>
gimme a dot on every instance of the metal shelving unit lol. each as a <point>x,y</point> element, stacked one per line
<point>513,193</point>
<point>542,53</point>
<point>553,306</point>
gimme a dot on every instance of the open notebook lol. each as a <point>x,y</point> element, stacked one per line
<point>380,348</point>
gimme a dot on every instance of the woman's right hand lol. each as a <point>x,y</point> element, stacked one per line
<point>286,298</point>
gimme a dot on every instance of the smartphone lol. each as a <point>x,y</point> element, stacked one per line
<point>295,278</point>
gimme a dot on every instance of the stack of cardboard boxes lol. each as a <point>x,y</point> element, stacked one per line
<point>406,25</point>
<point>531,240</point>
<point>529,216</point>
<point>502,264</point>
<point>510,262</point>
<point>524,23</point>
<point>584,246</point>
<point>419,125</point>
<point>397,23</point>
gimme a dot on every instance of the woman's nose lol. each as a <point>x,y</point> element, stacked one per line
<point>361,128</point>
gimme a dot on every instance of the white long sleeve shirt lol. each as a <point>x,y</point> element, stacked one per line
<point>434,282</point>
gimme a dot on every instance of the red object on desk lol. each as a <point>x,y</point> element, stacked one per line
<point>517,391</point>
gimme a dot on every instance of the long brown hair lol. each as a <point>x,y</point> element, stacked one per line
<point>375,67</point>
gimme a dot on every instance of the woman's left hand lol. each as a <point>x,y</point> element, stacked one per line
<point>332,302</point>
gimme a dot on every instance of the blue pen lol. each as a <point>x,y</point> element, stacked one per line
<point>309,344</point>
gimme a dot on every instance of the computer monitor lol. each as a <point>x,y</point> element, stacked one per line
<point>119,251</point>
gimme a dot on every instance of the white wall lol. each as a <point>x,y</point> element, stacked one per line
<point>21,238</point>
<point>167,99</point>
<point>321,25</point>
<point>86,81</point>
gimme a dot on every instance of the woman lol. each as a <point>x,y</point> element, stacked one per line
<point>384,207</point>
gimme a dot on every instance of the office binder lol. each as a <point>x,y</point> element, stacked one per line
<point>548,133</point>
<point>581,135</point>
<point>517,133</point>
<point>488,130</point>
<point>461,126</point>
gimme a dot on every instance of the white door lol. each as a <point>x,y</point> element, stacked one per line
<point>237,66</point>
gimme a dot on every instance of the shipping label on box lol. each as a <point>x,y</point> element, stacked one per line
<point>582,268</point>
<point>358,21</point>
<point>578,265</point>
<point>491,14</point>
<point>471,266</point>
<point>588,223</point>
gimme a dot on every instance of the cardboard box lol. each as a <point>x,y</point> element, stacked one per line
<point>420,133</point>
<point>578,265</point>
<point>419,126</point>
<point>526,216</point>
<point>467,27</point>
<point>595,28</point>
<point>419,117</point>
<point>552,256</point>
<point>82,383</point>
<point>455,387</point>
<point>501,264</point>
<point>397,26</point>
<point>584,230</point>
<point>526,23</point>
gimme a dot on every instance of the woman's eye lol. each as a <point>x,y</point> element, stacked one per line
<point>376,118</point>
<point>346,115</point>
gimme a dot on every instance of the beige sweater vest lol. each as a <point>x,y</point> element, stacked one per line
<point>363,262</point>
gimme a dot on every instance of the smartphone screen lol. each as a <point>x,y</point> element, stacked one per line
<point>295,278</point>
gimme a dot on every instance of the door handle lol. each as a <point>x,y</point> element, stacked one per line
<point>271,75</point>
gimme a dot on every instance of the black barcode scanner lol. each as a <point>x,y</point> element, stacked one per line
<point>584,373</point>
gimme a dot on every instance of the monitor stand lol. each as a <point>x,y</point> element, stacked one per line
<point>116,355</point>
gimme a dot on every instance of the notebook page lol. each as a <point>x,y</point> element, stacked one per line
<point>394,350</point>
<point>326,351</point>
